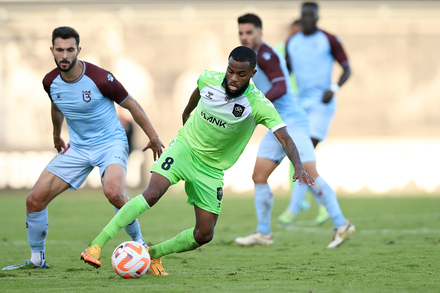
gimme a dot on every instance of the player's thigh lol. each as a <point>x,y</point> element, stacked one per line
<point>113,182</point>
<point>71,165</point>
<point>205,223</point>
<point>320,118</point>
<point>262,169</point>
<point>47,187</point>
<point>175,164</point>
<point>205,189</point>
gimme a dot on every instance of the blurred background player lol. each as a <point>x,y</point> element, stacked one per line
<point>285,219</point>
<point>84,94</point>
<point>227,108</point>
<point>272,78</point>
<point>310,54</point>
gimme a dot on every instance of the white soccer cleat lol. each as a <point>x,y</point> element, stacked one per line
<point>341,234</point>
<point>256,238</point>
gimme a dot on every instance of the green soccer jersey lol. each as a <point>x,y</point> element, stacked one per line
<point>219,130</point>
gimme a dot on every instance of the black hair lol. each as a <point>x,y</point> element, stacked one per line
<point>65,32</point>
<point>251,18</point>
<point>244,54</point>
<point>310,4</point>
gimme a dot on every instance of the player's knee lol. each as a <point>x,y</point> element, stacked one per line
<point>259,178</point>
<point>115,196</point>
<point>33,204</point>
<point>203,237</point>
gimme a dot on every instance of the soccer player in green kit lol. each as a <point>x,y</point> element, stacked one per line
<point>227,110</point>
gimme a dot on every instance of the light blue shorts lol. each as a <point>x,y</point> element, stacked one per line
<point>270,148</point>
<point>320,117</point>
<point>75,163</point>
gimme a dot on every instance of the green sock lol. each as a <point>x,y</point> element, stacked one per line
<point>127,214</point>
<point>184,241</point>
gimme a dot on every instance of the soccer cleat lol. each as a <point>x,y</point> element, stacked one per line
<point>141,241</point>
<point>92,256</point>
<point>27,265</point>
<point>341,234</point>
<point>323,216</point>
<point>256,238</point>
<point>156,267</point>
<point>286,218</point>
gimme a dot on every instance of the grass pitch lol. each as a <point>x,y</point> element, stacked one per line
<point>396,248</point>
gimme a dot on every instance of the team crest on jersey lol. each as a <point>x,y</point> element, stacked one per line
<point>58,97</point>
<point>87,96</point>
<point>110,77</point>
<point>220,193</point>
<point>238,110</point>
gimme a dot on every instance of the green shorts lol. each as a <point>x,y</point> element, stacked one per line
<point>203,184</point>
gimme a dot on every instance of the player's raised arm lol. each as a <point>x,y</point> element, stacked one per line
<point>292,153</point>
<point>192,104</point>
<point>57,122</point>
<point>142,120</point>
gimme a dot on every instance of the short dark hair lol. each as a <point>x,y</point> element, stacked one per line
<point>311,4</point>
<point>244,54</point>
<point>251,18</point>
<point>65,32</point>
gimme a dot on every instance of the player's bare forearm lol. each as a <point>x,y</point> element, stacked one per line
<point>292,153</point>
<point>57,123</point>
<point>289,146</point>
<point>57,120</point>
<point>192,104</point>
<point>141,118</point>
<point>345,75</point>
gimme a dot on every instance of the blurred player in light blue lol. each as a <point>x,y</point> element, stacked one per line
<point>272,78</point>
<point>84,94</point>
<point>310,54</point>
<point>286,218</point>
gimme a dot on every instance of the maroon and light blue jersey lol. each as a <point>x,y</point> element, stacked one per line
<point>272,69</point>
<point>88,104</point>
<point>311,59</point>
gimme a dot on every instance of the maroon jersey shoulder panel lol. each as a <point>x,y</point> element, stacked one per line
<point>48,79</point>
<point>336,48</point>
<point>107,84</point>
<point>269,62</point>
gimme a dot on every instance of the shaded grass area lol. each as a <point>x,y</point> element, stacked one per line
<point>395,249</point>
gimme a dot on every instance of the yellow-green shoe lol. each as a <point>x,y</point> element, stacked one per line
<point>286,218</point>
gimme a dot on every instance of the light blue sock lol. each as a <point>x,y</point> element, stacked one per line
<point>327,196</point>
<point>297,197</point>
<point>263,207</point>
<point>133,230</point>
<point>37,226</point>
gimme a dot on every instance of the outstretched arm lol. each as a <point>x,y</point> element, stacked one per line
<point>57,122</point>
<point>192,104</point>
<point>142,120</point>
<point>292,153</point>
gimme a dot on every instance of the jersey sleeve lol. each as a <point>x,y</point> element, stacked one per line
<point>48,79</point>
<point>269,63</point>
<point>265,113</point>
<point>209,78</point>
<point>107,84</point>
<point>336,49</point>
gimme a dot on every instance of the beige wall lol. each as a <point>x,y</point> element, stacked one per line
<point>157,50</point>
